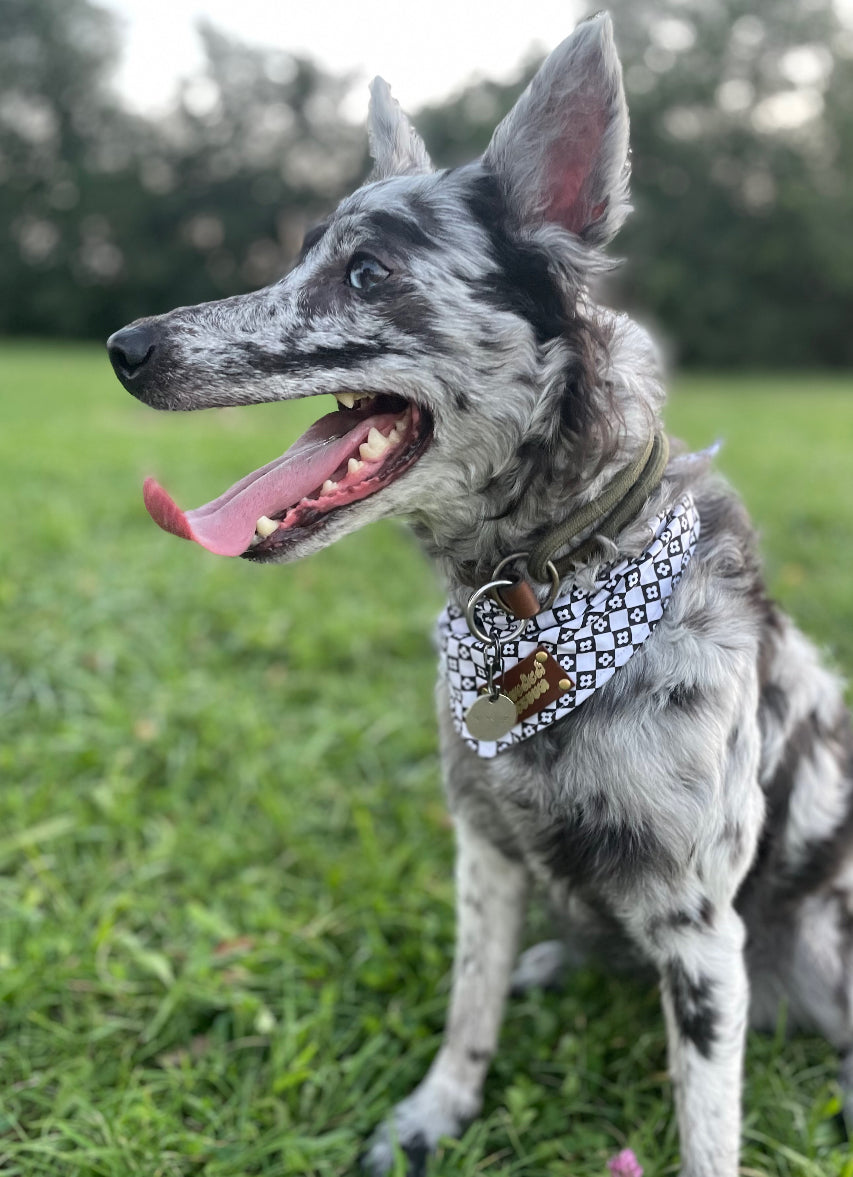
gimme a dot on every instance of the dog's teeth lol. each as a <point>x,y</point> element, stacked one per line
<point>353,466</point>
<point>375,446</point>
<point>265,526</point>
<point>350,399</point>
<point>327,487</point>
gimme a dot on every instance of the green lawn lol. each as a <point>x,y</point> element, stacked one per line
<point>225,867</point>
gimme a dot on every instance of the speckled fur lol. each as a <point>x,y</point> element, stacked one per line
<point>698,808</point>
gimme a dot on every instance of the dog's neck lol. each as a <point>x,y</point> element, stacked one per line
<point>468,546</point>
<point>468,555</point>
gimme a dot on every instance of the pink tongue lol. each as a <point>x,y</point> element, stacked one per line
<point>226,525</point>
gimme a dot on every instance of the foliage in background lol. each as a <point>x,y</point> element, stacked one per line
<point>742,116</point>
<point>740,247</point>
<point>105,216</point>
<point>225,866</point>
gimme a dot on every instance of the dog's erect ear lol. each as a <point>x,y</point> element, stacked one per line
<point>562,151</point>
<point>395,146</point>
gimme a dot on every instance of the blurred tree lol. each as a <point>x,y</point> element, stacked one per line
<point>740,248</point>
<point>739,172</point>
<point>256,148</point>
<point>224,186</point>
<point>60,132</point>
<point>460,128</point>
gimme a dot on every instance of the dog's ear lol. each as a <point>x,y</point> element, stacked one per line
<point>562,151</point>
<point>395,146</point>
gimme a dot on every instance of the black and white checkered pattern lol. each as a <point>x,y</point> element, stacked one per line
<point>591,634</point>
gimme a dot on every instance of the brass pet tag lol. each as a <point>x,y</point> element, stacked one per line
<point>489,719</point>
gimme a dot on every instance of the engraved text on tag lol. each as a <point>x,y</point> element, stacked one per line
<point>534,682</point>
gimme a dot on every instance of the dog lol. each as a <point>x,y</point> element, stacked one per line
<point>688,796</point>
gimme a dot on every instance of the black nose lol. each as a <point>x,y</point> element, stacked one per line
<point>131,348</point>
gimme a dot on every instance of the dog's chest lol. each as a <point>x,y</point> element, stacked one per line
<point>597,800</point>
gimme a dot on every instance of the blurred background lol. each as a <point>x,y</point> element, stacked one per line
<point>125,126</point>
<point>226,900</point>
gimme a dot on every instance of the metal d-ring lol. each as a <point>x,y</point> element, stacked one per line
<point>550,567</point>
<point>499,636</point>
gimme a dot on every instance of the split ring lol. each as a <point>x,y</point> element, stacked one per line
<point>499,636</point>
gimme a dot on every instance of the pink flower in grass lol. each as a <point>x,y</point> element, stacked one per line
<point>625,1164</point>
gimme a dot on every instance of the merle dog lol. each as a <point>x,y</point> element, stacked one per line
<point>697,802</point>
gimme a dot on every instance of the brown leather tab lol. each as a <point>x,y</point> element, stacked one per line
<point>534,682</point>
<point>519,599</point>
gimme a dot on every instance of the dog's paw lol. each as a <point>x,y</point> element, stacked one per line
<point>415,1127</point>
<point>378,1159</point>
<point>543,966</point>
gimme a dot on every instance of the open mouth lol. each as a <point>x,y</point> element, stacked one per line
<point>344,457</point>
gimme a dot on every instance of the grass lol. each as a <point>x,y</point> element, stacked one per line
<point>225,868</point>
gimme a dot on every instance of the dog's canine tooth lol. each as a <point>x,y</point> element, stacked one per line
<point>350,399</point>
<point>328,487</point>
<point>353,466</point>
<point>265,526</point>
<point>375,446</point>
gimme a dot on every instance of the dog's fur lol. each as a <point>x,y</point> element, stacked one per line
<point>700,805</point>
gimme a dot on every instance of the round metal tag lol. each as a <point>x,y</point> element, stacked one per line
<point>488,719</point>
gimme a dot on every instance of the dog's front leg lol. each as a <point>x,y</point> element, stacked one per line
<point>705,997</point>
<point>490,900</point>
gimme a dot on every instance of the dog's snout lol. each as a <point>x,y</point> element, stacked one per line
<point>131,348</point>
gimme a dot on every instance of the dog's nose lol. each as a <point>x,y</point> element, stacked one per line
<point>131,348</point>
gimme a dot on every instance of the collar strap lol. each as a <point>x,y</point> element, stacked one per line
<point>617,506</point>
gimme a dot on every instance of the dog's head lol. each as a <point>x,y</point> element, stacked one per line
<point>445,310</point>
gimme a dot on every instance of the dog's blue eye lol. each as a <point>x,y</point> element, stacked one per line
<point>365,272</point>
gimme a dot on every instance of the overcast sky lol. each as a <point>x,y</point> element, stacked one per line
<point>424,50</point>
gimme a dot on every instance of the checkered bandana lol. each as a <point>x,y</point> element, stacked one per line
<point>591,634</point>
